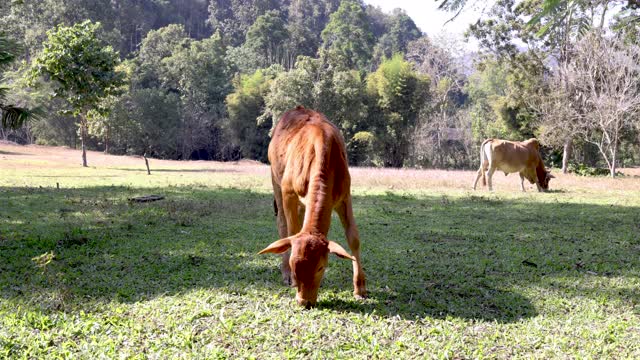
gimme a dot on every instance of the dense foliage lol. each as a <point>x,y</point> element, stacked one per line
<point>209,79</point>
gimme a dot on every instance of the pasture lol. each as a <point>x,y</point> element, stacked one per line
<point>451,273</point>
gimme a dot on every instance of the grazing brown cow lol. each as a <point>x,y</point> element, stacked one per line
<point>310,179</point>
<point>511,157</point>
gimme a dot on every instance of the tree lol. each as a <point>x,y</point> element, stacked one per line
<point>11,116</point>
<point>378,20</point>
<point>548,28</point>
<point>290,89</point>
<point>602,80</point>
<point>401,30</point>
<point>305,21</point>
<point>150,71</point>
<point>150,120</point>
<point>441,133</point>
<point>82,69</point>
<point>245,105</point>
<point>347,38</point>
<point>398,94</point>
<point>232,18</point>
<point>337,93</point>
<point>267,38</point>
<point>202,78</point>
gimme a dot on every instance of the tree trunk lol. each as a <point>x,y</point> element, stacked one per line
<point>83,138</point>
<point>106,142</point>
<point>614,160</point>
<point>612,171</point>
<point>146,162</point>
<point>566,154</point>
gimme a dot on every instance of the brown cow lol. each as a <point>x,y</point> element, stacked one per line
<point>310,177</point>
<point>511,157</point>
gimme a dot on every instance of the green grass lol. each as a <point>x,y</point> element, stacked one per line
<point>84,273</point>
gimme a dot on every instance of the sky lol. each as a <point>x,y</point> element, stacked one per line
<point>429,19</point>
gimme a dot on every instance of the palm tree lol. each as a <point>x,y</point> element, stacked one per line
<point>11,116</point>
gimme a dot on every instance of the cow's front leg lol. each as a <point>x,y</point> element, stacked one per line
<point>345,212</point>
<point>522,182</point>
<point>285,269</point>
<point>293,221</point>
<point>281,222</point>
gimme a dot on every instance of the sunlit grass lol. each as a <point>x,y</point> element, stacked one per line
<point>452,273</point>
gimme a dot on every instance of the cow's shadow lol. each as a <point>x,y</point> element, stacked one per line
<point>473,257</point>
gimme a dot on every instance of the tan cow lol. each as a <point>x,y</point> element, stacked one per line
<point>310,179</point>
<point>511,157</point>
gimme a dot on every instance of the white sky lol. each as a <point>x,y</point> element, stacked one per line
<point>429,19</point>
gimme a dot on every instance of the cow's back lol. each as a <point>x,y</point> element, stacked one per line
<point>513,156</point>
<point>305,144</point>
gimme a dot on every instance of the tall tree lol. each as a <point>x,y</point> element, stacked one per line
<point>305,21</point>
<point>347,39</point>
<point>401,30</point>
<point>202,77</point>
<point>398,94</point>
<point>82,69</point>
<point>267,38</point>
<point>232,18</point>
<point>150,70</point>
<point>245,105</point>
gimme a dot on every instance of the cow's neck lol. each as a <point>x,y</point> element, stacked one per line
<point>317,214</point>
<point>541,172</point>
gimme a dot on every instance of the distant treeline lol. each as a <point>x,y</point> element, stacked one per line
<point>207,79</point>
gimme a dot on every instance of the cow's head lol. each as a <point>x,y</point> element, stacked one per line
<point>308,261</point>
<point>544,182</point>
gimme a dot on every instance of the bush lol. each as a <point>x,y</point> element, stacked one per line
<point>584,170</point>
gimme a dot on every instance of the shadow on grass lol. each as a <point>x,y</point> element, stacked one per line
<point>4,152</point>
<point>475,257</point>
<point>180,170</point>
<point>75,176</point>
<point>556,191</point>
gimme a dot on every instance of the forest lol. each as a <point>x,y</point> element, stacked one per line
<point>208,79</point>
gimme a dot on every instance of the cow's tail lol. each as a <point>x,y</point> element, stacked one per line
<point>483,158</point>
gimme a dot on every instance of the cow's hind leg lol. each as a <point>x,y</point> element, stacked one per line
<point>478,176</point>
<point>522,182</point>
<point>345,212</point>
<point>490,176</point>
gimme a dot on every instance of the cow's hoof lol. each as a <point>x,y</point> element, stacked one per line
<point>360,297</point>
<point>286,278</point>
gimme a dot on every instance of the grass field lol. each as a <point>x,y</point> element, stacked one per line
<point>452,273</point>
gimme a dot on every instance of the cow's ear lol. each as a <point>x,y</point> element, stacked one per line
<point>335,248</point>
<point>277,247</point>
<point>550,176</point>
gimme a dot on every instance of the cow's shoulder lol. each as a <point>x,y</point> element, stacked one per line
<point>532,143</point>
